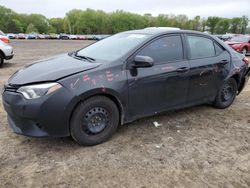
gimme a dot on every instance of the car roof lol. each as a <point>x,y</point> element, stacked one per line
<point>160,31</point>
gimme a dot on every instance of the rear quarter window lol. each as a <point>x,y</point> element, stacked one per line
<point>218,49</point>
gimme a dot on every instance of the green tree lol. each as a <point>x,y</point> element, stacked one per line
<point>235,25</point>
<point>212,22</point>
<point>14,26</point>
<point>244,24</point>
<point>31,29</point>
<point>56,25</point>
<point>91,21</point>
<point>197,23</point>
<point>66,25</point>
<point>222,26</point>
<point>203,24</point>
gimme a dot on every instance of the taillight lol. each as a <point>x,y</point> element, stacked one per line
<point>246,61</point>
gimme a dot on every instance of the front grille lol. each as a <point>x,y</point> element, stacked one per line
<point>9,87</point>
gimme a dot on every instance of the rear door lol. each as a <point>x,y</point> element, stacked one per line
<point>162,86</point>
<point>209,66</point>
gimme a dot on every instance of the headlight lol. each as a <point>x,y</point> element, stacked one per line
<point>39,90</point>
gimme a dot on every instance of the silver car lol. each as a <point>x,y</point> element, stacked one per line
<point>6,52</point>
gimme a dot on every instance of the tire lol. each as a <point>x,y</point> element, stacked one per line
<point>244,51</point>
<point>94,121</point>
<point>226,95</point>
<point>1,60</point>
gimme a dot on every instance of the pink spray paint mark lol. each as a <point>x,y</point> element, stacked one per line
<point>86,78</point>
<point>94,82</point>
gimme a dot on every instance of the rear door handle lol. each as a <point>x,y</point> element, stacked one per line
<point>223,62</point>
<point>182,69</point>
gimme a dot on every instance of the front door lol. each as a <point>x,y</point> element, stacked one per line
<point>163,86</point>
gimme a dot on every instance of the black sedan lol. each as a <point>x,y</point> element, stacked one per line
<point>130,75</point>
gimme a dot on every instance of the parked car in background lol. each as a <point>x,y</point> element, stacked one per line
<point>53,36</point>
<point>31,36</point>
<point>40,36</point>
<point>228,36</point>
<point>72,37</point>
<point>6,52</point>
<point>240,44</point>
<point>100,37</point>
<point>11,35</point>
<point>20,36</point>
<point>81,37</point>
<point>90,37</point>
<point>4,38</point>
<point>63,36</point>
<point>46,36</point>
<point>130,75</point>
<point>219,36</point>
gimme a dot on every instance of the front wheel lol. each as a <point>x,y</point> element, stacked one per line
<point>1,60</point>
<point>94,121</point>
<point>226,94</point>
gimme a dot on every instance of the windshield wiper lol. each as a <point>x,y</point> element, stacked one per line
<point>90,59</point>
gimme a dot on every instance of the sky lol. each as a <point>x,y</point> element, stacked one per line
<point>204,8</point>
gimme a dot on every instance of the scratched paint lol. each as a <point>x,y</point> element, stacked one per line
<point>93,82</point>
<point>74,84</point>
<point>168,68</point>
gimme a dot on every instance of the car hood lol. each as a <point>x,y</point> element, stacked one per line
<point>50,69</point>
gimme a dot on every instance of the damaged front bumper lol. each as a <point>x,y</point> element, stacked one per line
<point>42,117</point>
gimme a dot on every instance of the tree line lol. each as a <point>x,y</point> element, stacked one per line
<point>91,21</point>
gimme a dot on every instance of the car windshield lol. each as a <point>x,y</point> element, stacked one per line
<point>239,39</point>
<point>113,47</point>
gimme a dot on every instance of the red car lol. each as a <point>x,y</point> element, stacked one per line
<point>4,38</point>
<point>240,44</point>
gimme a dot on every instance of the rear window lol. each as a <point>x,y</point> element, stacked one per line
<point>200,47</point>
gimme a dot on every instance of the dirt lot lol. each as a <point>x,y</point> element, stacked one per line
<point>195,147</point>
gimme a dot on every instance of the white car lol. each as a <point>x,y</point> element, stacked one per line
<point>6,52</point>
<point>72,37</point>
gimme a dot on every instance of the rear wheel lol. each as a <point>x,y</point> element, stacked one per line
<point>94,121</point>
<point>226,94</point>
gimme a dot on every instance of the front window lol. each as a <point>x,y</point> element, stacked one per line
<point>165,49</point>
<point>239,39</point>
<point>114,47</point>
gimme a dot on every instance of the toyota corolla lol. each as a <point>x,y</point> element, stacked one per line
<point>86,94</point>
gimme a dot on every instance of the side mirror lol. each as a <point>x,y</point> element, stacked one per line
<point>143,61</point>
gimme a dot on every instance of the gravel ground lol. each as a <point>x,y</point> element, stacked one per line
<point>195,147</point>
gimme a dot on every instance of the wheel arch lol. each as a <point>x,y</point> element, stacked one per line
<point>240,82</point>
<point>2,54</point>
<point>237,79</point>
<point>93,93</point>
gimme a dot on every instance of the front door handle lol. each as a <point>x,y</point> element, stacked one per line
<point>223,62</point>
<point>182,69</point>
